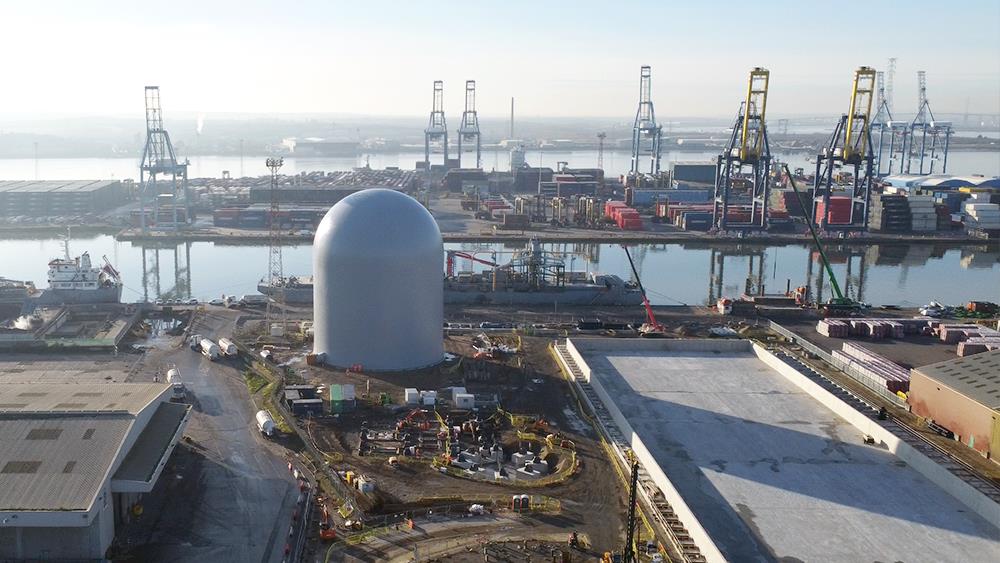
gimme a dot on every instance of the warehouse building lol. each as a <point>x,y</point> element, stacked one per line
<point>962,396</point>
<point>758,465</point>
<point>64,197</point>
<point>75,460</point>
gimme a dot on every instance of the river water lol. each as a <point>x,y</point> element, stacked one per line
<point>672,273</point>
<point>615,163</point>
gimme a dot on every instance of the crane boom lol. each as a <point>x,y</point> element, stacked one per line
<point>752,134</point>
<point>819,246</point>
<point>858,120</point>
<point>652,325</point>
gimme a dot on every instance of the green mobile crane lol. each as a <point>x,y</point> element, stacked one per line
<point>839,305</point>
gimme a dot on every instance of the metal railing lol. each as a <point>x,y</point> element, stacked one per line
<point>851,371</point>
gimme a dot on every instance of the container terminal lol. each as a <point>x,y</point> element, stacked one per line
<point>382,419</point>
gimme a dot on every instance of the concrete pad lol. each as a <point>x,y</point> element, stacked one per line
<point>772,474</point>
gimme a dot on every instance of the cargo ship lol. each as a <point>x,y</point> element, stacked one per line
<point>78,280</point>
<point>532,277</point>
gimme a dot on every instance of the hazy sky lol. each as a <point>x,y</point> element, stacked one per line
<point>575,58</point>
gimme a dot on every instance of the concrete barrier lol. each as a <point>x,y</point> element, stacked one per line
<point>931,470</point>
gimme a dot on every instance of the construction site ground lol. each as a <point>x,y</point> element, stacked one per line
<point>590,501</point>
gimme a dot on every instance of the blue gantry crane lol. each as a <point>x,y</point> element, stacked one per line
<point>160,162</point>
<point>647,135</point>
<point>928,138</point>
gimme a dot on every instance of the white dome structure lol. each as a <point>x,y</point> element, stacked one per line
<point>378,292</point>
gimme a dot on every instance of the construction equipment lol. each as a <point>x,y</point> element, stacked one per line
<point>849,153</point>
<point>326,529</point>
<point>746,162</point>
<point>651,328</point>
<point>838,305</point>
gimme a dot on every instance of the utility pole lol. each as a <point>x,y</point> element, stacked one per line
<point>275,272</point>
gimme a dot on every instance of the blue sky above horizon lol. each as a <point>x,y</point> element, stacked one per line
<point>556,58</point>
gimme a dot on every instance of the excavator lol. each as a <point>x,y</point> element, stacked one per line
<point>839,305</point>
<point>651,328</point>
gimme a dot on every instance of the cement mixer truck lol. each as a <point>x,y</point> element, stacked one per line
<point>210,349</point>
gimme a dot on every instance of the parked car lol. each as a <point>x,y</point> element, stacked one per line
<point>192,301</point>
<point>217,302</point>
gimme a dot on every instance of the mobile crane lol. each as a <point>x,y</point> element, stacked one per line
<point>651,328</point>
<point>838,305</point>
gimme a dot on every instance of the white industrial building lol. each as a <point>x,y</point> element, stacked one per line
<point>378,292</point>
<point>75,460</point>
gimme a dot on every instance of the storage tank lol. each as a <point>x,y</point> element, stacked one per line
<point>378,283</point>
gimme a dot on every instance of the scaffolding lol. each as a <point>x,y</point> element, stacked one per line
<point>742,175</point>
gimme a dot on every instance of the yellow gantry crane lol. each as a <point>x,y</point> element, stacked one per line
<point>752,135</point>
<point>742,177</point>
<point>841,202</point>
<point>856,131</point>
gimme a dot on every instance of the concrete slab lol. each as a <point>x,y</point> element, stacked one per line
<point>774,475</point>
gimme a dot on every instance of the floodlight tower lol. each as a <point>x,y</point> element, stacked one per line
<point>849,148</point>
<point>646,132</point>
<point>468,130</point>
<point>275,270</point>
<point>746,160</point>
<point>437,129</point>
<point>600,149</point>
<point>158,158</point>
<point>923,126</point>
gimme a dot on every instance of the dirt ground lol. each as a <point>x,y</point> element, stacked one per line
<point>592,500</point>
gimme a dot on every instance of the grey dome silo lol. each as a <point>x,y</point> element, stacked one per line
<point>378,288</point>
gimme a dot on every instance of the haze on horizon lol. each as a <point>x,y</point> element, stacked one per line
<point>566,59</point>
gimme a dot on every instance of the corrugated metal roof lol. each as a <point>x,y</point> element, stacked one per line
<point>58,461</point>
<point>45,186</point>
<point>49,397</point>
<point>149,447</point>
<point>976,376</point>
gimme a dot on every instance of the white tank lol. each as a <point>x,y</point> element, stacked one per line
<point>378,283</point>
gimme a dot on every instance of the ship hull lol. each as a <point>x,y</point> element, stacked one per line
<point>111,294</point>
<point>572,295</point>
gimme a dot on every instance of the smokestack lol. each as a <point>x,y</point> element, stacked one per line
<point>511,136</point>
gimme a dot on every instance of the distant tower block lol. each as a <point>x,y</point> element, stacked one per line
<point>437,129</point>
<point>468,131</point>
<point>378,296</point>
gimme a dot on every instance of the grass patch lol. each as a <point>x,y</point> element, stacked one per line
<point>255,381</point>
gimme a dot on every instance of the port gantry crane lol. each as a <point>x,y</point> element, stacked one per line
<point>747,161</point>
<point>849,149</point>
<point>924,125</point>
<point>891,134</point>
<point>468,130</point>
<point>158,158</point>
<point>437,129</point>
<point>646,134</point>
